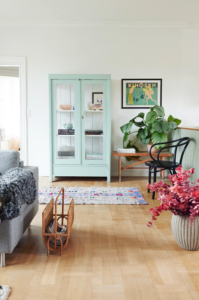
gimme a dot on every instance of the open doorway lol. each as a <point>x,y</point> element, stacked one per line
<point>13,121</point>
<point>9,108</point>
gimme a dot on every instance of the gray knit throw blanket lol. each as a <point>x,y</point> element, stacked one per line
<point>17,186</point>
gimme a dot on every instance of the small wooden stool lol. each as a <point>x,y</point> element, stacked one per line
<point>48,216</point>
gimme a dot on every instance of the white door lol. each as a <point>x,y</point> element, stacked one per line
<point>13,113</point>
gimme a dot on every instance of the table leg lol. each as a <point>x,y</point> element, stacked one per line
<point>163,172</point>
<point>120,167</point>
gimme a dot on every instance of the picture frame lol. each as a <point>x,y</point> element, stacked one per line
<point>141,93</point>
<point>97,98</point>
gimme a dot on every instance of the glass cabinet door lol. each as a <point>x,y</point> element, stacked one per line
<point>66,121</point>
<point>94,102</point>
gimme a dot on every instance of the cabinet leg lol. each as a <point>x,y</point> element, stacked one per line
<point>109,177</point>
<point>120,171</point>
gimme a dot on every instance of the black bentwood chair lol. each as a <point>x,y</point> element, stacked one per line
<point>166,165</point>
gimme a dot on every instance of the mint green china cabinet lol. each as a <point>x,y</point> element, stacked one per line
<point>80,125</point>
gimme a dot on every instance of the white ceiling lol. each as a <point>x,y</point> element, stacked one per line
<point>174,12</point>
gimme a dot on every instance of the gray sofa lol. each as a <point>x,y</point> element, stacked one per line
<point>11,231</point>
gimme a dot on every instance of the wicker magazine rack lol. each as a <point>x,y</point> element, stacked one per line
<point>48,216</point>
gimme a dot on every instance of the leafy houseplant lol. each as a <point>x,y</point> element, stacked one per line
<point>182,199</point>
<point>152,129</point>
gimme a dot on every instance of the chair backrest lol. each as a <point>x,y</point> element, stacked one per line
<point>176,144</point>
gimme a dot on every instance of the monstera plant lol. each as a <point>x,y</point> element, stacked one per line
<point>153,129</point>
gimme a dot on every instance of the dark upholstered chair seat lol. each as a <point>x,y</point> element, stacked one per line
<point>165,164</point>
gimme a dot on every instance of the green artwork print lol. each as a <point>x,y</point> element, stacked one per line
<point>141,93</point>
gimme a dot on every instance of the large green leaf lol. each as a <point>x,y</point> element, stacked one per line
<point>177,121</point>
<point>125,138</point>
<point>128,144</point>
<point>140,115</point>
<point>159,138</point>
<point>159,110</point>
<point>150,129</point>
<point>162,119</point>
<point>151,117</point>
<point>142,133</point>
<point>160,126</point>
<point>170,118</point>
<point>126,128</point>
<point>133,147</point>
<point>172,125</point>
<point>146,140</point>
<point>141,123</point>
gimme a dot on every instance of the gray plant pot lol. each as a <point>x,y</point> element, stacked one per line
<point>186,236</point>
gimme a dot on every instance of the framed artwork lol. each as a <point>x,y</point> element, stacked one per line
<point>141,93</point>
<point>97,98</point>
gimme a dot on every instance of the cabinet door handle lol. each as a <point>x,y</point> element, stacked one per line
<point>82,116</point>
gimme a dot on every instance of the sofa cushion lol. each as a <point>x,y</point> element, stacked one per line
<point>8,159</point>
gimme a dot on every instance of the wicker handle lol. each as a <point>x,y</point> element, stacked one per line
<point>62,190</point>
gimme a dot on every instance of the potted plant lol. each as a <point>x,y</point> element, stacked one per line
<point>182,199</point>
<point>151,130</point>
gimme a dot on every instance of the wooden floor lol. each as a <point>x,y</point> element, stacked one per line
<point>112,255</point>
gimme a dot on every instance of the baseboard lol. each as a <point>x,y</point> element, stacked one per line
<point>133,173</point>
<point>43,172</point>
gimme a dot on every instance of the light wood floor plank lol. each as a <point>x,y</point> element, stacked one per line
<point>111,254</point>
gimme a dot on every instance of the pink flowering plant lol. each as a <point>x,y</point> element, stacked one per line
<point>182,198</point>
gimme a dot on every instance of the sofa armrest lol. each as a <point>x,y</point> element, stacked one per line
<point>11,231</point>
<point>35,171</point>
<point>21,164</point>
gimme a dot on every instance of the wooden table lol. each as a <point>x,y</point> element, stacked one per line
<point>141,153</point>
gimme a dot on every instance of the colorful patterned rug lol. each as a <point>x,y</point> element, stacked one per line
<point>93,195</point>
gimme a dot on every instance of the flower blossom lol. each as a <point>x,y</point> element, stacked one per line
<point>182,198</point>
<point>191,171</point>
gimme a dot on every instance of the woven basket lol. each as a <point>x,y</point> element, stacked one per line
<point>48,216</point>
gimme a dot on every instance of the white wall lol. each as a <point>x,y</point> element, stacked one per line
<point>190,77</point>
<point>122,52</point>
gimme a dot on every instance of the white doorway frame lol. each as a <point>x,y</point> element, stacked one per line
<point>21,63</point>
